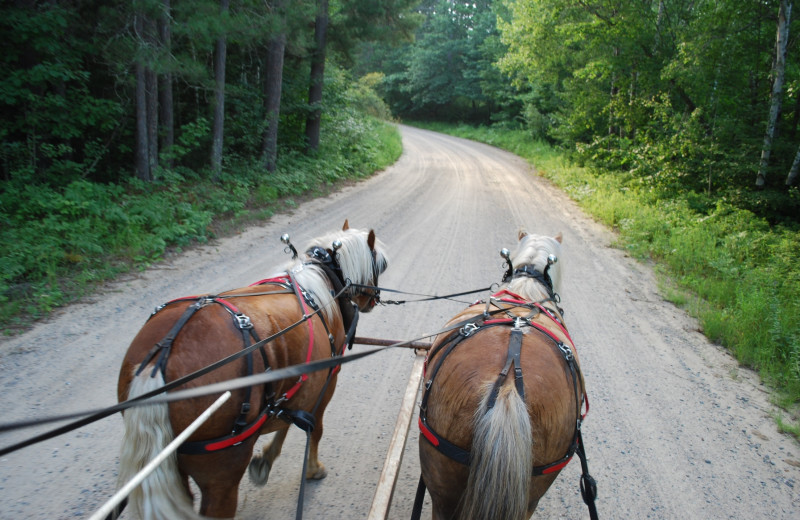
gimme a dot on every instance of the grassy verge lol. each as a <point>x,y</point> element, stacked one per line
<point>58,244</point>
<point>734,272</point>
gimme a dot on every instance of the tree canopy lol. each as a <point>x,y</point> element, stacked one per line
<point>676,93</point>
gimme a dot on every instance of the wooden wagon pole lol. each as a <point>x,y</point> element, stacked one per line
<point>422,345</point>
<point>382,500</point>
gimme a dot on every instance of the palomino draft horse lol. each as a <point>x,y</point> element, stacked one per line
<point>501,412</point>
<point>189,334</point>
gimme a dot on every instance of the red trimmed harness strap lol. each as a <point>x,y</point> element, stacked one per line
<point>241,430</point>
<point>462,455</point>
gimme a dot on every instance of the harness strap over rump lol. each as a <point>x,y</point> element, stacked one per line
<point>241,430</point>
<point>514,351</point>
<point>462,455</point>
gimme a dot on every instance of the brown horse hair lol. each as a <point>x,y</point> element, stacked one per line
<point>500,469</point>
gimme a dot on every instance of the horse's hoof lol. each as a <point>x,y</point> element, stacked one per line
<point>317,475</point>
<point>258,470</point>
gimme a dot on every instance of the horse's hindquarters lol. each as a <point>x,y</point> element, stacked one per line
<point>460,388</point>
<point>211,334</point>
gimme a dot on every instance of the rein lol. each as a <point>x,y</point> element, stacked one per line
<point>427,296</point>
<point>92,416</point>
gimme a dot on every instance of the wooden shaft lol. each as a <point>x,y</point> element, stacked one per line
<point>390,343</point>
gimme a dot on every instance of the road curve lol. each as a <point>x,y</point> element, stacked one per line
<point>676,428</point>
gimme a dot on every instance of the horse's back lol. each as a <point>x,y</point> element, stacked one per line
<point>210,334</point>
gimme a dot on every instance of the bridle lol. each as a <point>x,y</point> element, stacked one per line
<point>327,259</point>
<point>528,270</point>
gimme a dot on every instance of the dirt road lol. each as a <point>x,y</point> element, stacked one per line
<point>676,429</point>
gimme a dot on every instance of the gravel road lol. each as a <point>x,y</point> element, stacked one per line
<point>676,429</point>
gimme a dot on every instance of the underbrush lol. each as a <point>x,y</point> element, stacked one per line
<point>58,243</point>
<point>732,270</point>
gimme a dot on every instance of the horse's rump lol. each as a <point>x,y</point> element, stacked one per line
<point>456,406</point>
<point>303,313</point>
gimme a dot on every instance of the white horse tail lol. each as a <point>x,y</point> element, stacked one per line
<point>500,467</point>
<point>162,495</point>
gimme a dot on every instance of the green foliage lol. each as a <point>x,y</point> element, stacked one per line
<point>675,95</point>
<point>446,73</point>
<point>58,243</point>
<point>53,127</point>
<point>740,272</point>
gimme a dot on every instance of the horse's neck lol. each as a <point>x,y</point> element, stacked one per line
<point>314,281</point>
<point>529,289</point>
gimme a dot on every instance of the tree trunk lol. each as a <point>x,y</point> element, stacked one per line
<point>167,117</point>
<point>272,94</point>
<point>142,143</point>
<point>313,122</point>
<point>784,14</point>
<point>219,99</point>
<point>791,178</point>
<point>151,82</point>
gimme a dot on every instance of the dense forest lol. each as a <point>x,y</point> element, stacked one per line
<point>695,96</point>
<point>131,127</point>
<point>674,122</point>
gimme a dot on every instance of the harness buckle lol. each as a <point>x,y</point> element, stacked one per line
<point>565,350</point>
<point>243,321</point>
<point>309,299</point>
<point>468,329</point>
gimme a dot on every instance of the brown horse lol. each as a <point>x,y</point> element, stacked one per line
<point>492,445</point>
<point>191,333</point>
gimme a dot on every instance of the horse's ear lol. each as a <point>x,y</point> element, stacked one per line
<point>371,240</point>
<point>558,237</point>
<point>522,234</point>
<point>346,225</point>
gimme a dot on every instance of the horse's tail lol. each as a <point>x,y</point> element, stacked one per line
<point>162,495</point>
<point>501,460</point>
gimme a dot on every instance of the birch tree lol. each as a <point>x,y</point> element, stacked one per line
<point>782,38</point>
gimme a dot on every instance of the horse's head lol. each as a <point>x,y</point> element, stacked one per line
<point>361,258</point>
<point>535,267</point>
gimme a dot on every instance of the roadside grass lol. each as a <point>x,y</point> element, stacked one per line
<point>728,268</point>
<point>58,245</point>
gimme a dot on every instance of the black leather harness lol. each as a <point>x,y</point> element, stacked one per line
<point>462,455</point>
<point>588,485</point>
<point>272,406</point>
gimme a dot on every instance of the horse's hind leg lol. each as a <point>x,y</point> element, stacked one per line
<point>261,465</point>
<point>316,470</point>
<point>217,475</point>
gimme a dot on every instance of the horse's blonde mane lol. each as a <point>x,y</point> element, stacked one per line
<point>534,250</point>
<point>355,259</point>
